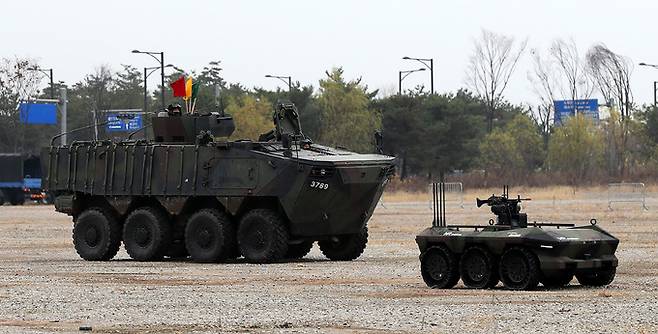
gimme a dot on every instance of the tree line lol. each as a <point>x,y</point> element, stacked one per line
<point>471,133</point>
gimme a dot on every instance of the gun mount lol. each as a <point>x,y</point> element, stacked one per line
<point>507,210</point>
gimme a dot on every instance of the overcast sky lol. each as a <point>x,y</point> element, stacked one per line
<point>304,38</point>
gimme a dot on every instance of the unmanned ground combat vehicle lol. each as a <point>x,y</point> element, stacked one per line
<point>192,191</point>
<point>509,249</point>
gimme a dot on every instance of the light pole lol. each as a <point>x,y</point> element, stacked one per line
<point>430,66</point>
<point>404,74</point>
<point>162,66</point>
<point>49,74</point>
<point>147,72</point>
<point>655,84</point>
<point>282,78</point>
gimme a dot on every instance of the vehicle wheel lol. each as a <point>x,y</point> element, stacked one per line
<point>599,277</point>
<point>439,268</point>
<point>477,268</point>
<point>345,247</point>
<point>208,236</point>
<point>262,236</point>
<point>298,251</point>
<point>519,269</point>
<point>96,235</point>
<point>147,234</point>
<point>556,279</point>
<point>17,198</point>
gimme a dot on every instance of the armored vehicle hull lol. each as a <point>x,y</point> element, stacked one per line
<point>266,200</point>
<point>519,254</point>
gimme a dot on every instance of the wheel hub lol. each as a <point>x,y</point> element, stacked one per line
<point>204,238</point>
<point>91,237</point>
<point>142,236</point>
<point>517,270</point>
<point>476,268</point>
<point>436,266</point>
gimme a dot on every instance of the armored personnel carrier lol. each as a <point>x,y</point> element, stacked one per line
<point>192,191</point>
<point>511,250</point>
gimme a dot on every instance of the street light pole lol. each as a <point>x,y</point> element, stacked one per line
<point>406,74</point>
<point>429,66</point>
<point>49,74</point>
<point>655,84</point>
<point>162,66</point>
<point>146,75</point>
<point>285,79</point>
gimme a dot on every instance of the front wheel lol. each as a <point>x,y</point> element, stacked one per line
<point>345,247</point>
<point>599,277</point>
<point>519,269</point>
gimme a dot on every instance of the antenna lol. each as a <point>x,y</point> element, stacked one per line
<point>439,204</point>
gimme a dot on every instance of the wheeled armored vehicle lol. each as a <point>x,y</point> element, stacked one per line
<point>191,191</point>
<point>512,250</point>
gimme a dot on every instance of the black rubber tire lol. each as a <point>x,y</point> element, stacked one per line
<point>478,268</point>
<point>556,279</point>
<point>519,269</point>
<point>262,236</point>
<point>298,251</point>
<point>147,234</point>
<point>17,197</point>
<point>601,277</point>
<point>96,235</point>
<point>209,236</point>
<point>439,267</point>
<point>346,247</point>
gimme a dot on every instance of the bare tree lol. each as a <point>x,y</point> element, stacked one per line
<point>491,66</point>
<point>612,72</point>
<point>574,82</point>
<point>560,74</point>
<point>17,82</point>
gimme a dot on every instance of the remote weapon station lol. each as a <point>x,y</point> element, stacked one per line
<point>511,250</point>
<point>191,191</point>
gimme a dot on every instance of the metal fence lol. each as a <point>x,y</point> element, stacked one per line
<point>627,193</point>
<point>454,192</point>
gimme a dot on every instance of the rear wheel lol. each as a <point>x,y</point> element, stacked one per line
<point>262,236</point>
<point>519,269</point>
<point>477,268</point>
<point>599,277</point>
<point>345,247</point>
<point>439,268</point>
<point>16,197</point>
<point>209,236</point>
<point>298,251</point>
<point>147,234</point>
<point>96,235</point>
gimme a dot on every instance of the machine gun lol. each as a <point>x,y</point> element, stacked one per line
<point>507,211</point>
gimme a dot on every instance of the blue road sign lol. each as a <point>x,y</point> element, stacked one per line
<point>38,113</point>
<point>119,125</point>
<point>567,108</point>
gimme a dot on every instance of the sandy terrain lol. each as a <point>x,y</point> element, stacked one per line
<point>45,287</point>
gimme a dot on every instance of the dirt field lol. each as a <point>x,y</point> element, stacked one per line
<point>45,287</point>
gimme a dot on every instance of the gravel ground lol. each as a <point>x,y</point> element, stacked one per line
<point>45,287</point>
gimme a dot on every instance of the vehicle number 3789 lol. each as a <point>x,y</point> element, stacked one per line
<point>319,185</point>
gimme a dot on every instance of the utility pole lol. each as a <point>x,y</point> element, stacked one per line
<point>62,103</point>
